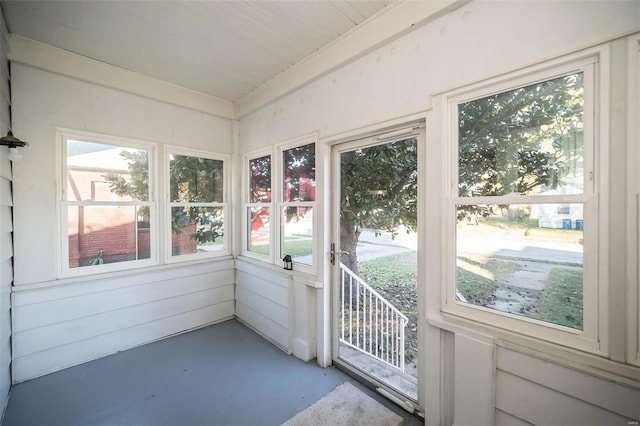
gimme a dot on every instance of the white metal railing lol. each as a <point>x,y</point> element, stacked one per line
<point>368,322</point>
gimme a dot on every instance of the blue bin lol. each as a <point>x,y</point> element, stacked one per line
<point>579,224</point>
<point>566,223</point>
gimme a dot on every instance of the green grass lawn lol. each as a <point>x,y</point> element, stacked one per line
<point>526,229</point>
<point>477,279</point>
<point>395,277</point>
<point>295,248</point>
<point>561,301</point>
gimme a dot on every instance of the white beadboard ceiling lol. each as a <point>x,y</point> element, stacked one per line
<point>224,49</point>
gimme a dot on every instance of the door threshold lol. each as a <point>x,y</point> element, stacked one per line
<point>370,382</point>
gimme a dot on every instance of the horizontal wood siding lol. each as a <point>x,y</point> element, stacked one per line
<point>505,419</point>
<point>262,302</point>
<point>538,391</point>
<point>61,326</point>
<point>6,226</point>
<point>6,276</point>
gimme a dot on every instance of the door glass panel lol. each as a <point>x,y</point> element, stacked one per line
<point>377,292</point>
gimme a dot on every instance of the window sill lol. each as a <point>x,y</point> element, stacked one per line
<point>133,272</point>
<point>307,278</point>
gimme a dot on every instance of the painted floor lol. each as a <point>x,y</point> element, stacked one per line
<point>223,374</point>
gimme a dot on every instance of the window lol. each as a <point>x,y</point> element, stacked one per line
<point>523,212</point>
<point>109,214</point>
<point>297,203</point>
<point>289,209</point>
<point>197,205</point>
<point>107,208</point>
<point>258,209</point>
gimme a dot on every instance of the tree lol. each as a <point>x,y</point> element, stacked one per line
<point>378,190</point>
<point>191,180</point>
<point>516,142</point>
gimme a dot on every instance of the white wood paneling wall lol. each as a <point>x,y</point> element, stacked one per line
<point>6,227</point>
<point>6,277</point>
<point>542,392</point>
<point>62,326</point>
<point>263,301</point>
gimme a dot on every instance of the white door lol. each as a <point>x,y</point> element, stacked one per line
<point>374,256</point>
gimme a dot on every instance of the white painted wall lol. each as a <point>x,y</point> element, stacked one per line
<point>60,323</point>
<point>6,249</point>
<point>475,42</point>
<point>59,326</point>
<point>263,302</point>
<point>278,304</point>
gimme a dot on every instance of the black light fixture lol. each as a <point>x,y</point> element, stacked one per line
<point>288,263</point>
<point>13,143</point>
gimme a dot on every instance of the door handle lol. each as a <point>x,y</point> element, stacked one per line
<point>333,252</point>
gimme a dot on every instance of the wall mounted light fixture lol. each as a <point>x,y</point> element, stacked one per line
<point>14,144</point>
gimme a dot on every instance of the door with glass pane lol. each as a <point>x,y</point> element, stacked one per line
<point>374,257</point>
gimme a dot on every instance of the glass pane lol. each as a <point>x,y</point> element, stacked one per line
<point>299,173</point>
<point>260,180</point>
<point>196,230</point>
<point>259,230</point>
<point>522,259</point>
<point>107,234</point>
<point>525,141</point>
<point>378,292</point>
<point>100,172</point>
<point>195,179</point>
<point>298,234</point>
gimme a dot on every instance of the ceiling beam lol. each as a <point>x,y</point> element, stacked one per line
<point>392,22</point>
<point>43,56</point>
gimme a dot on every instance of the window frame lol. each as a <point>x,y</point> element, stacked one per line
<point>63,204</point>
<point>593,337</point>
<point>280,204</point>
<point>633,193</point>
<point>169,258</point>
<point>247,204</point>
<point>276,235</point>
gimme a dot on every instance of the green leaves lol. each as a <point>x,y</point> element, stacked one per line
<point>379,186</point>
<point>521,141</point>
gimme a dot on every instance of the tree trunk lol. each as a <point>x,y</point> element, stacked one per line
<point>349,235</point>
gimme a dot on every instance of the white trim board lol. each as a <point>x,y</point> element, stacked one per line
<point>49,58</point>
<point>393,22</point>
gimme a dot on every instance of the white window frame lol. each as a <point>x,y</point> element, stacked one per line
<point>64,271</point>
<point>281,204</point>
<point>593,337</point>
<point>227,224</point>
<point>247,204</point>
<point>633,194</point>
<point>277,204</point>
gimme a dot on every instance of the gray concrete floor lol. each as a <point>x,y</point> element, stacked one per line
<point>223,374</point>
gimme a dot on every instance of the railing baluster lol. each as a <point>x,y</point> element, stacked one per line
<point>357,314</point>
<point>385,331</point>
<point>342,312</point>
<point>350,309</point>
<point>377,328</point>
<point>395,341</point>
<point>370,319</point>
<point>389,322</point>
<point>402,343</point>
